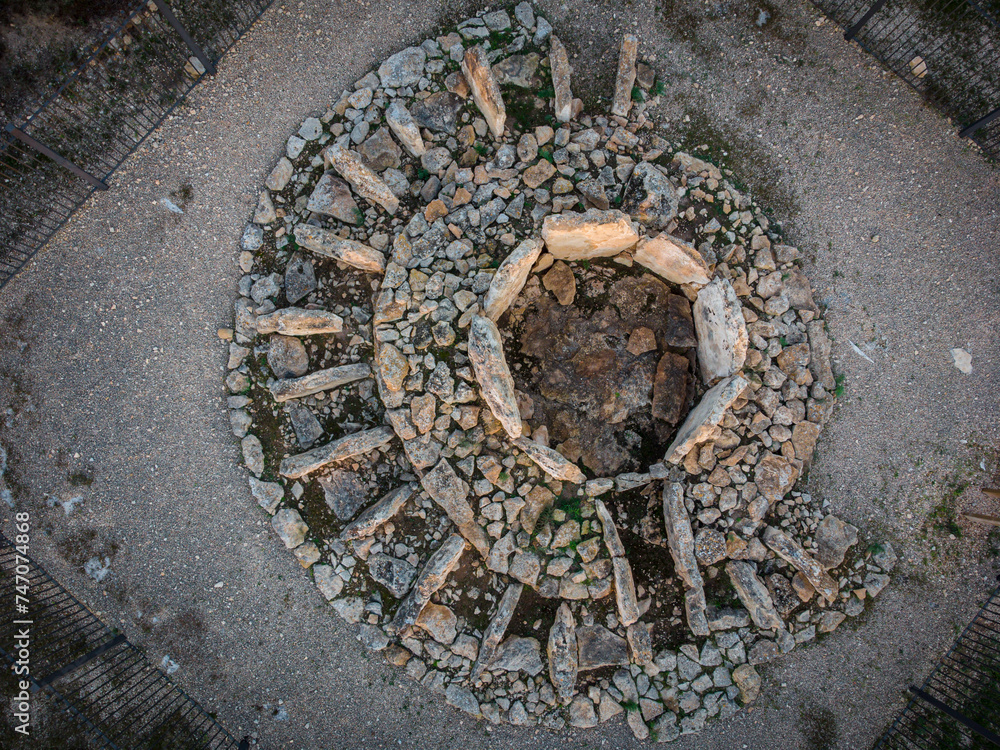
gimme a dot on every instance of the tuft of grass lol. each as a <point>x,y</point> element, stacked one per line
<point>638,95</point>
<point>659,88</point>
<point>839,390</point>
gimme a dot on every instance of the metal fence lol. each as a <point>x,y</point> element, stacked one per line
<point>959,704</point>
<point>117,699</point>
<point>66,146</point>
<point>948,50</point>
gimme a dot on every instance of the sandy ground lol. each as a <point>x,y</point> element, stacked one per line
<point>111,368</point>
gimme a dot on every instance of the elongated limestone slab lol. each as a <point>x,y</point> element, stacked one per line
<point>365,182</point>
<point>492,373</point>
<point>626,76</point>
<point>551,462</point>
<point>792,552</point>
<point>398,117</point>
<point>433,576</point>
<point>559,65</point>
<point>625,597</point>
<point>705,417</point>
<point>479,75</point>
<point>673,259</point>
<point>373,517</point>
<point>451,493</point>
<point>321,380</point>
<point>592,234</point>
<point>754,595</point>
<point>722,331</point>
<point>611,539</point>
<point>497,628</point>
<point>509,279</point>
<point>326,243</point>
<point>296,321</point>
<point>294,467</point>
<point>564,659</point>
<point>680,542</point>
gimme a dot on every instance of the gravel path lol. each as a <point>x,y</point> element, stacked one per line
<point>112,370</point>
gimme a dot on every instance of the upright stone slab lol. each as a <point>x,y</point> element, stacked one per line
<point>673,259</point>
<point>680,542</point>
<point>722,331</point>
<point>369,521</point>
<point>431,578</point>
<point>326,243</point>
<point>551,462</point>
<point>492,373</point>
<point>399,119</point>
<point>592,234</point>
<point>296,321</point>
<point>497,628</point>
<point>703,420</point>
<point>792,552</point>
<point>559,66</point>
<point>294,467</point>
<point>365,182</point>
<point>626,76</point>
<point>451,493</point>
<point>321,380</point>
<point>510,277</point>
<point>562,652</point>
<point>754,595</point>
<point>485,91</point>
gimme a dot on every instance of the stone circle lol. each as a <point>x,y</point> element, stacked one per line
<point>530,391</point>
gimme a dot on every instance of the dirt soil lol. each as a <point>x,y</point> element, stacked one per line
<point>111,369</point>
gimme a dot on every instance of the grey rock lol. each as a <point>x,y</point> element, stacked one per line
<point>253,454</point>
<point>404,68</point>
<point>344,493</point>
<point>321,380</point>
<point>680,542</point>
<point>372,637</point>
<point>395,574</point>
<point>267,494</point>
<point>462,699</point>
<point>518,654</point>
<point>289,526</point>
<point>563,653</point>
<point>431,578</point>
<point>497,628</point>
<point>376,515</point>
<point>307,428</point>
<point>875,582</point>
<point>650,197</point>
<point>252,239</point>
<point>300,278</point>
<point>287,357</point>
<point>754,594</point>
<point>299,465</point>
<point>438,112</point>
<point>599,647</point>
<point>380,151</point>
<point>581,712</point>
<point>833,538</point>
<point>332,197</point>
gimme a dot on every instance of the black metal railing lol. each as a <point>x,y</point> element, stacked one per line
<point>948,50</point>
<point>116,698</point>
<point>66,145</point>
<point>958,706</point>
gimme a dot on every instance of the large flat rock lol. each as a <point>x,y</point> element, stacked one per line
<point>510,277</point>
<point>326,243</point>
<point>722,331</point>
<point>703,420</point>
<point>399,119</point>
<point>297,321</point>
<point>673,259</point>
<point>431,578</point>
<point>374,516</point>
<point>485,91</point>
<point>592,234</point>
<point>497,628</point>
<point>365,182</point>
<point>680,542</point>
<point>563,654</point>
<point>294,467</point>
<point>321,380</point>
<point>625,79</point>
<point>792,552</point>
<point>754,595</point>
<point>551,462</point>
<point>492,373</point>
<point>451,494</point>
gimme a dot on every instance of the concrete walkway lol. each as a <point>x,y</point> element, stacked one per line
<point>111,369</point>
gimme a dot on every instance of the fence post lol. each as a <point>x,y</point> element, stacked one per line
<point>853,31</point>
<point>968,133</point>
<point>60,160</point>
<point>188,40</point>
